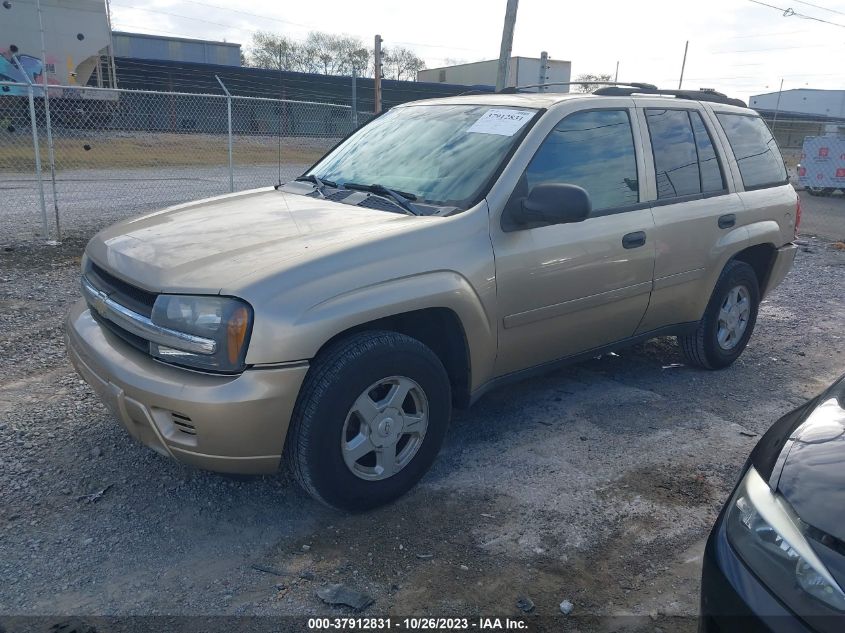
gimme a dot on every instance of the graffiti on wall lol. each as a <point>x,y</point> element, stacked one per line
<point>18,67</point>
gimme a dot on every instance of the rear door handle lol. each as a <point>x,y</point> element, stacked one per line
<point>633,240</point>
<point>727,221</point>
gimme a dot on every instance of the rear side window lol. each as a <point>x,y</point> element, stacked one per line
<point>685,161</point>
<point>675,156</point>
<point>757,154</point>
<point>708,164</point>
<point>594,150</point>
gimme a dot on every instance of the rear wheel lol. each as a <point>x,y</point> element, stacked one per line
<point>369,420</point>
<point>723,332</point>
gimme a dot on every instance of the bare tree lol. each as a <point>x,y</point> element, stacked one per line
<point>586,87</point>
<point>402,64</point>
<point>279,52</point>
<point>324,53</point>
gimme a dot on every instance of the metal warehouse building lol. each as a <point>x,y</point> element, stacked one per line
<point>177,49</point>
<point>522,71</point>
<point>796,114</point>
<point>805,101</point>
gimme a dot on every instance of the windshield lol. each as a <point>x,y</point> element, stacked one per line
<point>442,154</point>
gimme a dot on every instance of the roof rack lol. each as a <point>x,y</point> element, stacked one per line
<point>631,88</point>
<point>628,84</point>
<point>705,94</point>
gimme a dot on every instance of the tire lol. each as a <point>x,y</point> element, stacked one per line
<point>327,420</point>
<point>703,347</point>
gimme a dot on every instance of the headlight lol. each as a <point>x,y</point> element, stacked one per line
<point>224,320</point>
<point>771,539</point>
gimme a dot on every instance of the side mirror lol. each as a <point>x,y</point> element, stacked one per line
<point>550,203</point>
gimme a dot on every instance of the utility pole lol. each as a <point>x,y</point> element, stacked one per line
<point>354,98</point>
<point>616,77</point>
<point>683,65</point>
<point>377,78</point>
<point>544,62</point>
<point>507,44</point>
<point>777,108</point>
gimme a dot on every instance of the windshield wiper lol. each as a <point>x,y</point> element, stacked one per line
<point>319,184</point>
<point>402,198</point>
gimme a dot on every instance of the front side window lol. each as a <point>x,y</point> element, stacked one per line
<point>442,154</point>
<point>757,154</point>
<point>594,150</point>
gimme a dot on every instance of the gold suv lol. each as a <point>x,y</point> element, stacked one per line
<point>445,248</point>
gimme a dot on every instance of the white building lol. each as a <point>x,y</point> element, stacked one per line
<point>803,101</point>
<point>522,71</point>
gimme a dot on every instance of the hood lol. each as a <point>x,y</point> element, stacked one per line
<point>810,469</point>
<point>211,244</point>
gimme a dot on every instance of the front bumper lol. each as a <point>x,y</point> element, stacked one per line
<point>733,600</point>
<point>784,257</point>
<point>234,424</point>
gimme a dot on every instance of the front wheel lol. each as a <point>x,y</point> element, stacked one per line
<point>369,420</point>
<point>723,332</point>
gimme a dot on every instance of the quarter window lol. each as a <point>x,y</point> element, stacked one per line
<point>757,154</point>
<point>594,150</point>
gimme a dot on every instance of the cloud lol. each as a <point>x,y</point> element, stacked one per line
<point>735,46</point>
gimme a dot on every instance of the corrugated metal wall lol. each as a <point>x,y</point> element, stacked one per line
<point>153,47</point>
<point>140,74</point>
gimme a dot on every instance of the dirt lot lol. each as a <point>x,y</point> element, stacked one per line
<point>83,149</point>
<point>596,484</point>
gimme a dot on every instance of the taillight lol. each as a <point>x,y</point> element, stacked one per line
<point>797,215</point>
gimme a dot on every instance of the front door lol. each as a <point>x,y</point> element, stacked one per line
<point>569,288</point>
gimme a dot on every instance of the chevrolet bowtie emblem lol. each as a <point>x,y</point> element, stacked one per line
<point>100,304</point>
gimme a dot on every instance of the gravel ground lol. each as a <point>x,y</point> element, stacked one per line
<point>596,484</point>
<point>823,216</point>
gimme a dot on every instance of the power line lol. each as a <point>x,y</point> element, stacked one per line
<point>816,6</point>
<point>761,50</point>
<point>788,13</point>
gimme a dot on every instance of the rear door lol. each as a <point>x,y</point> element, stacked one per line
<point>693,206</point>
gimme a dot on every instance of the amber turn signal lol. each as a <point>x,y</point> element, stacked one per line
<point>236,333</point>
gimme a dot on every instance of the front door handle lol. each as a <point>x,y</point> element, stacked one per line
<point>634,240</point>
<point>727,221</point>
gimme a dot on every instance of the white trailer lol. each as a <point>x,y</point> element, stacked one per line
<point>822,167</point>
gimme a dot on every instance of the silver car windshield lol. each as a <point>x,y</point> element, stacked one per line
<point>442,154</point>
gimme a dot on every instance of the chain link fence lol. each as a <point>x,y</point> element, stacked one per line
<point>108,154</point>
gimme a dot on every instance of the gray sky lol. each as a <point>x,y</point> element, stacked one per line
<point>735,46</point>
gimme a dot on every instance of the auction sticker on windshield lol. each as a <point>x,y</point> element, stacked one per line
<point>501,121</point>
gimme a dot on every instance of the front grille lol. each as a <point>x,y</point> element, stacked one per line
<point>127,295</point>
<point>141,344</point>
